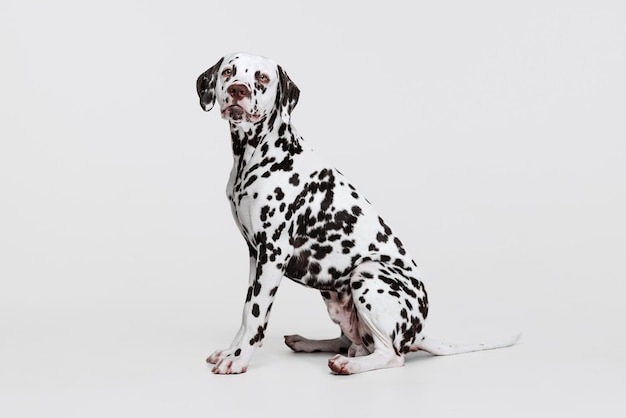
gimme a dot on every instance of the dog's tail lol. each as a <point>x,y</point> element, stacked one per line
<point>439,348</point>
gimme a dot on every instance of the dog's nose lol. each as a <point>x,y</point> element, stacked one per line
<point>238,91</point>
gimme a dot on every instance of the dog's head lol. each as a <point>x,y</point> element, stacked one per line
<point>248,88</point>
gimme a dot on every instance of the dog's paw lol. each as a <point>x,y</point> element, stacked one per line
<point>297,343</point>
<point>339,364</point>
<point>230,365</point>
<point>228,361</point>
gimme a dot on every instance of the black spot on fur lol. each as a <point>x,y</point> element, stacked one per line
<point>285,165</point>
<point>384,225</point>
<point>259,336</point>
<point>251,180</point>
<point>321,251</point>
<point>398,243</point>
<point>278,231</point>
<point>315,268</point>
<point>264,213</point>
<point>334,273</point>
<point>380,237</point>
<point>257,287</point>
<point>295,179</point>
<point>423,307</point>
<point>347,245</point>
<point>264,149</point>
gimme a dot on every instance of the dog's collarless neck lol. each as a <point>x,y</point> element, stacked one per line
<point>246,139</point>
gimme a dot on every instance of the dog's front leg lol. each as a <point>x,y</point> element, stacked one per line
<point>265,276</point>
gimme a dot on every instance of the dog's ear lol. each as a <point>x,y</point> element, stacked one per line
<point>205,85</point>
<point>288,94</point>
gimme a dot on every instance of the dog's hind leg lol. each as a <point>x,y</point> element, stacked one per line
<point>300,344</point>
<point>340,310</point>
<point>385,307</point>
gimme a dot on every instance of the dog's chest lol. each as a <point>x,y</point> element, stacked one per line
<point>255,194</point>
<point>241,202</point>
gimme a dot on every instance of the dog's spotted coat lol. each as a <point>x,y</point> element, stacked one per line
<point>302,219</point>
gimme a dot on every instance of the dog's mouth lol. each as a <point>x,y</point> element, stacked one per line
<point>237,113</point>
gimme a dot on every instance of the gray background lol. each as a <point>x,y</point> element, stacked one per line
<point>489,134</point>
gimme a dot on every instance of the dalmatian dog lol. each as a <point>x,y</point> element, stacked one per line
<point>302,219</point>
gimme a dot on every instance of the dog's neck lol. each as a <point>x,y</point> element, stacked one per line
<point>270,132</point>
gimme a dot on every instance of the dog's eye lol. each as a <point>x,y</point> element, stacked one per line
<point>227,72</point>
<point>263,78</point>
